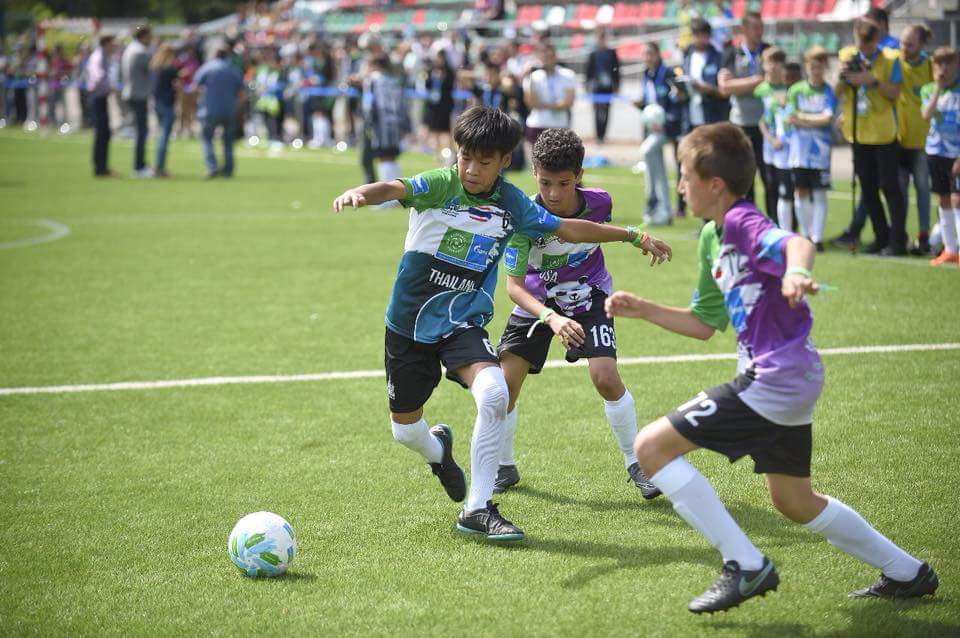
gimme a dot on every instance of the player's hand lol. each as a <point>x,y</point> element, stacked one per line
<point>352,198</point>
<point>625,304</point>
<point>570,332</point>
<point>795,286</point>
<point>659,251</point>
<point>776,144</point>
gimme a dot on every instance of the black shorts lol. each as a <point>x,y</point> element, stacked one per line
<point>413,369</point>
<point>717,419</point>
<point>601,340</point>
<point>942,182</point>
<point>811,179</point>
<point>784,183</point>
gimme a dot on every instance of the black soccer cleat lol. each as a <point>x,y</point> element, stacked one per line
<point>490,522</point>
<point>647,489</point>
<point>450,474</point>
<point>923,584</point>
<point>734,586</point>
<point>507,477</point>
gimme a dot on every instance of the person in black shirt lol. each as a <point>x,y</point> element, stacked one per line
<point>603,79</point>
<point>165,72</point>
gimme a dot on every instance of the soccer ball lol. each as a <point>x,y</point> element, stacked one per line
<point>653,115</point>
<point>262,544</point>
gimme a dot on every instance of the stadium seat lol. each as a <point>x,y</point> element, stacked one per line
<point>657,8</point>
<point>832,43</point>
<point>586,12</point>
<point>738,8</point>
<point>577,41</point>
<point>418,17</point>
<point>768,8</point>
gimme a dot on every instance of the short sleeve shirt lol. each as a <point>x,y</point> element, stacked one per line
<point>745,110</point>
<point>913,128</point>
<point>810,147</point>
<point>550,88</point>
<point>559,273</point>
<point>448,271</point>
<point>943,138</point>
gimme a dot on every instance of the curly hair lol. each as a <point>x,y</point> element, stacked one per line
<point>558,149</point>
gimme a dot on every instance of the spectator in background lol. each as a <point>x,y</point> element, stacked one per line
<point>319,73</point>
<point>135,76</point>
<point>270,81</point>
<point>603,79</point>
<point>386,119</point>
<point>881,18</point>
<point>869,89</point>
<point>742,73</point>
<point>79,75</point>
<point>771,92</point>
<point>686,14</point>
<point>721,19</point>
<point>701,67</point>
<point>59,75</point>
<point>187,65</point>
<point>488,88</point>
<point>163,66</point>
<point>99,87</point>
<point>659,85</point>
<point>549,93</point>
<point>917,72</point>
<point>438,82</point>
<point>222,87</point>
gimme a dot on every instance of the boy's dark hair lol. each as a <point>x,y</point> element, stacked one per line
<point>866,29</point>
<point>484,130</point>
<point>751,15</point>
<point>699,26</point>
<point>774,53</point>
<point>878,15</point>
<point>721,150</point>
<point>557,150</point>
<point>793,72</point>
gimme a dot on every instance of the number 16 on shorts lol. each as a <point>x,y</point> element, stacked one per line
<point>698,407</point>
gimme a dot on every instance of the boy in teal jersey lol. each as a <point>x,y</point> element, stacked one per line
<point>812,106</point>
<point>460,221</point>
<point>768,91</point>
<point>559,288</point>
<point>940,101</point>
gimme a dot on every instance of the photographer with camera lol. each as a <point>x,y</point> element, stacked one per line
<point>869,89</point>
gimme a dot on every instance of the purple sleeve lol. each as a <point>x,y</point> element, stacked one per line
<point>762,242</point>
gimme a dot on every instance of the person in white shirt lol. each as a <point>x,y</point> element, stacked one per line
<point>549,93</point>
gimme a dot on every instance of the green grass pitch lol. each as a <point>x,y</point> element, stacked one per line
<point>115,506</point>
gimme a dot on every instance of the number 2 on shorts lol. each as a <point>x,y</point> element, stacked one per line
<point>708,407</point>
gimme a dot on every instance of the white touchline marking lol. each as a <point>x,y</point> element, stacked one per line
<point>57,231</point>
<point>374,374</point>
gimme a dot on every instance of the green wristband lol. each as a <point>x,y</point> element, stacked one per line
<point>631,230</point>
<point>546,314</point>
<point>798,270</point>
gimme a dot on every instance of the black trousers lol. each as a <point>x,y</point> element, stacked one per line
<point>878,169</point>
<point>101,134</point>
<point>139,108</point>
<point>756,140</point>
<point>601,117</point>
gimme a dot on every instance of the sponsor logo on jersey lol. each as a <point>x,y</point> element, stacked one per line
<point>419,185</point>
<point>451,282</point>
<point>510,258</point>
<point>465,249</point>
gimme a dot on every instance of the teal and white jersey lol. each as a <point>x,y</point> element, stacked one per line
<point>944,136</point>
<point>810,147</point>
<point>448,271</point>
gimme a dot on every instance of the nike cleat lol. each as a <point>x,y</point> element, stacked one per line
<point>923,584</point>
<point>489,522</point>
<point>735,585</point>
<point>507,477</point>
<point>450,474</point>
<point>647,489</point>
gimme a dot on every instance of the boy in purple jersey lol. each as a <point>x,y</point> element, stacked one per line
<point>755,276</point>
<point>559,288</point>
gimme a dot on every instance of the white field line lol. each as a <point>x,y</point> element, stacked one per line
<point>375,374</point>
<point>57,231</point>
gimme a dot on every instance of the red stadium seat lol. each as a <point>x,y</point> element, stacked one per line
<point>418,16</point>
<point>657,8</point>
<point>586,12</point>
<point>768,8</point>
<point>577,41</point>
<point>738,8</point>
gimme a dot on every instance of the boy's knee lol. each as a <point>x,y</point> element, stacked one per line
<point>608,383</point>
<point>491,393</point>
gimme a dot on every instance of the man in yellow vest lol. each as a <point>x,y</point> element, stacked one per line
<point>869,89</point>
<point>917,71</point>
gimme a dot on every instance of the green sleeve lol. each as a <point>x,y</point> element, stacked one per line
<point>926,93</point>
<point>428,189</point>
<point>792,94</point>
<point>517,255</point>
<point>707,305</point>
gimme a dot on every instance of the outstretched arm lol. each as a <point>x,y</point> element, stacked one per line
<point>577,231</point>
<point>370,194</point>
<point>679,320</point>
<point>798,280</point>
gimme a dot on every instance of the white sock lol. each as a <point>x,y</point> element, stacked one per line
<point>948,229</point>
<point>417,437</point>
<point>506,445</point>
<point>697,503</point>
<point>804,208</point>
<point>819,215</point>
<point>846,529</point>
<point>491,395</point>
<point>785,213</point>
<point>389,171</point>
<point>321,130</point>
<point>622,418</point>
<point>956,228</point>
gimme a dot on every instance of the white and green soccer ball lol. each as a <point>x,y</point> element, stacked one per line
<point>262,544</point>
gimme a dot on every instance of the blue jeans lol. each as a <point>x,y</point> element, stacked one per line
<point>209,127</point>
<point>165,117</point>
<point>913,163</point>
